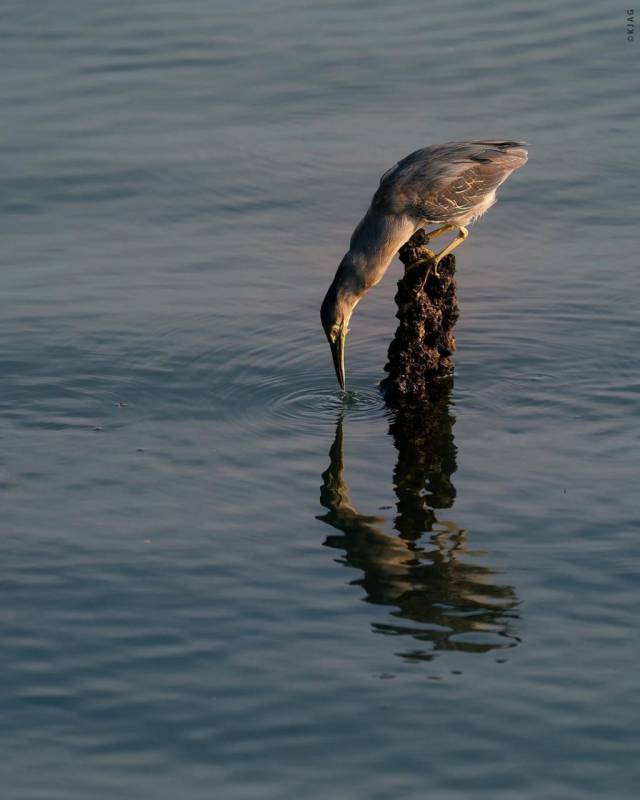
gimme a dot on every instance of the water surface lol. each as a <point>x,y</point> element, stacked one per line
<point>220,579</point>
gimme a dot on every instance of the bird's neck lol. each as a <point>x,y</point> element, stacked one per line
<point>374,244</point>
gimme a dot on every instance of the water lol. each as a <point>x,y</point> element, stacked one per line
<point>221,580</point>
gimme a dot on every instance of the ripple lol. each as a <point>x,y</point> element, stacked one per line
<point>309,408</point>
<point>292,388</point>
<point>296,404</point>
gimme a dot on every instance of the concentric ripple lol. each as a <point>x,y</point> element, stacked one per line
<point>314,408</point>
<point>261,388</point>
<point>297,405</point>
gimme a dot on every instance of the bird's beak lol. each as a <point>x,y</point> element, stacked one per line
<point>337,351</point>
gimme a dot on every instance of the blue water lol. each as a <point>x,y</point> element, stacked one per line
<point>221,580</point>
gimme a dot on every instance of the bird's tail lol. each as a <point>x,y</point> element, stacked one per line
<point>501,145</point>
<point>514,152</point>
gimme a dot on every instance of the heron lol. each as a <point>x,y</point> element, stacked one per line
<point>448,185</point>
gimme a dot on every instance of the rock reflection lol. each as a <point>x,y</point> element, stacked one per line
<point>444,598</point>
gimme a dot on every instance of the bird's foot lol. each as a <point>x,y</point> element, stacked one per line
<point>432,260</point>
<point>432,268</point>
<point>428,259</point>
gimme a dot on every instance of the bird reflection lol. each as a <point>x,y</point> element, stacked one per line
<point>444,598</point>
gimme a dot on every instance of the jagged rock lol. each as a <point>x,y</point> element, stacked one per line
<point>419,357</point>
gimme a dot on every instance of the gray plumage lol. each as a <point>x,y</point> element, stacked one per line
<point>449,182</point>
<point>449,185</point>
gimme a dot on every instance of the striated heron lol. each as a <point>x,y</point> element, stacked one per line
<point>448,185</point>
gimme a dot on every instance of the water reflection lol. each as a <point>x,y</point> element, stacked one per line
<point>444,598</point>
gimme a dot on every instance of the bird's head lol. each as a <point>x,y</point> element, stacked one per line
<point>335,314</point>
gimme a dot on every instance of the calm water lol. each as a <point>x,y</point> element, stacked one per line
<point>219,580</point>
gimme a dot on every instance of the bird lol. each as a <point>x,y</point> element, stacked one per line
<point>448,185</point>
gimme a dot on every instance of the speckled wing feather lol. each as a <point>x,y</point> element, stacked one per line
<point>467,191</point>
<point>442,182</point>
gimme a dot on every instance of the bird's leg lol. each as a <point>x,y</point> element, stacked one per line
<point>438,232</point>
<point>462,235</point>
<point>434,259</point>
<point>429,254</point>
<point>430,259</point>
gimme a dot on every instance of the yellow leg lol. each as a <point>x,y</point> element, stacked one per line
<point>462,235</point>
<point>430,255</point>
<point>431,258</point>
<point>439,231</point>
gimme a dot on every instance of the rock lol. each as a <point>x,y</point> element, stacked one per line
<point>419,357</point>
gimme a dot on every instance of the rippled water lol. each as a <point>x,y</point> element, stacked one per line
<point>220,578</point>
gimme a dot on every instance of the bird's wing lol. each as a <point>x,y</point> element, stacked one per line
<point>467,190</point>
<point>438,182</point>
